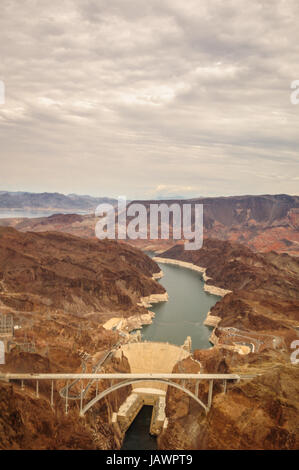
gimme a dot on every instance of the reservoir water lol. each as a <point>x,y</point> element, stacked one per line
<point>183,315</point>
<point>35,213</point>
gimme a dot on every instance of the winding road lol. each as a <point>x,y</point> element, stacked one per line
<point>64,392</point>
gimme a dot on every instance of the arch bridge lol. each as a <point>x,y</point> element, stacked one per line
<point>187,383</point>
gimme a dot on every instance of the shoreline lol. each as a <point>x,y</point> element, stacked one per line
<point>136,322</point>
<point>214,290</point>
<point>158,275</point>
<point>152,299</point>
<point>210,320</point>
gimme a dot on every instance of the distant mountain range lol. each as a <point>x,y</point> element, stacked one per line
<point>70,202</point>
<point>263,223</point>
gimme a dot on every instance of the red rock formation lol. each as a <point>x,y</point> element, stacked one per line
<point>61,271</point>
<point>261,413</point>
<point>263,309</point>
<point>265,285</point>
<point>60,289</point>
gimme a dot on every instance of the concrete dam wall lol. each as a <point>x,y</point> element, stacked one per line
<point>148,357</point>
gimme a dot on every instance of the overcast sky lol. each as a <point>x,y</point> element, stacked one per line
<point>145,98</point>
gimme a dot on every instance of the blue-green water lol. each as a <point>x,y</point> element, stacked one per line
<point>35,213</point>
<point>184,313</point>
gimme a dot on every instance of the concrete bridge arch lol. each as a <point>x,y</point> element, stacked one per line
<point>117,386</point>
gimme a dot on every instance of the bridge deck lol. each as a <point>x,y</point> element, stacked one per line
<point>36,376</point>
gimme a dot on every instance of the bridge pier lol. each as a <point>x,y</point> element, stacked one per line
<point>81,398</point>
<point>67,398</point>
<point>52,393</point>
<point>224,386</point>
<point>37,389</point>
<point>210,396</point>
<point>196,387</point>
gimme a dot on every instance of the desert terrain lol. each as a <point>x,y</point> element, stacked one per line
<point>61,289</point>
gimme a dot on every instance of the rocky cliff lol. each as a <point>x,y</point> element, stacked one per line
<point>261,311</point>
<point>261,413</point>
<point>263,223</point>
<point>55,270</point>
<point>60,289</point>
<point>265,286</point>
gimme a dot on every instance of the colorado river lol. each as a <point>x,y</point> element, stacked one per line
<point>183,315</point>
<point>137,436</point>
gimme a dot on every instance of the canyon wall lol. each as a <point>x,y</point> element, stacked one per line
<point>60,290</point>
<point>262,308</point>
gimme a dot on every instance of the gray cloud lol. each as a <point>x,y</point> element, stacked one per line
<point>141,97</point>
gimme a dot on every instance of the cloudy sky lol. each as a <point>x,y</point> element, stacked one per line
<point>148,98</point>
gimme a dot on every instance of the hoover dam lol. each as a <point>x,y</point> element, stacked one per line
<point>148,358</point>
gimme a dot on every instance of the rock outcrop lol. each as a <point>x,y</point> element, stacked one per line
<point>261,413</point>
<point>60,289</point>
<point>265,286</point>
<point>261,311</point>
<point>42,271</point>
